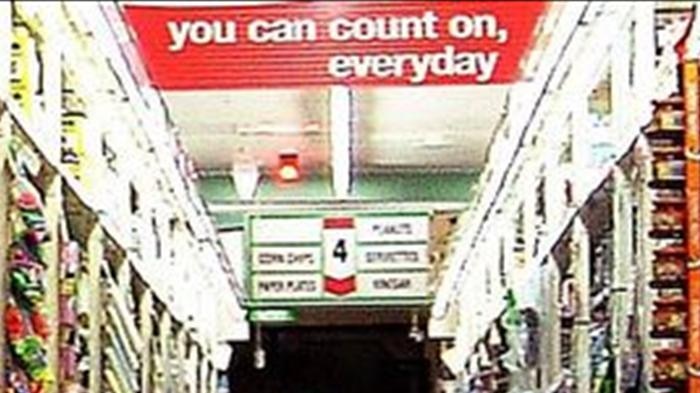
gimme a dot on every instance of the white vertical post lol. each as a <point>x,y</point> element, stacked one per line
<point>145,311</point>
<point>53,251</point>
<point>645,270</point>
<point>341,131</point>
<point>622,260</point>
<point>550,355</point>
<point>95,257</point>
<point>582,321</point>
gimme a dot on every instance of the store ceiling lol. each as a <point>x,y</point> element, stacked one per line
<point>397,128</point>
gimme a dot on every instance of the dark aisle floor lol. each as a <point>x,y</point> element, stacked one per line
<point>334,360</point>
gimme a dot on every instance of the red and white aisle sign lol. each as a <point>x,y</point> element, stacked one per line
<point>339,255</point>
<point>312,43</point>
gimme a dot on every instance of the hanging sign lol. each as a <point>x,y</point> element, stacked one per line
<point>393,285</point>
<point>292,44</point>
<point>392,256</point>
<point>406,228</point>
<point>287,259</point>
<point>286,230</point>
<point>286,286</point>
<point>339,255</point>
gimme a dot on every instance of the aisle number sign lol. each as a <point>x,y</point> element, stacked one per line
<point>337,257</point>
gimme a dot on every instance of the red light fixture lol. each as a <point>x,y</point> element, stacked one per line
<point>288,167</point>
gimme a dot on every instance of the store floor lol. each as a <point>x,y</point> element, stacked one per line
<point>334,360</point>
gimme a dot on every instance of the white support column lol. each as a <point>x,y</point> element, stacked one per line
<point>645,257</point>
<point>341,133</point>
<point>165,336</point>
<point>550,354</point>
<point>95,257</point>
<point>52,250</point>
<point>621,285</point>
<point>145,312</point>
<point>582,321</point>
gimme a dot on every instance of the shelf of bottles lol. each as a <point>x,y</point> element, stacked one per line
<point>668,333</point>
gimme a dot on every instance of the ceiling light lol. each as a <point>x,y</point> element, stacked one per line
<point>288,168</point>
<point>258,351</point>
<point>289,173</point>
<point>415,333</point>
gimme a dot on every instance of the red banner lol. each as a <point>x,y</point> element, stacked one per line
<point>334,42</point>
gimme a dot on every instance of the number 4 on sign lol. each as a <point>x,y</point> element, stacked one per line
<point>340,252</point>
<point>339,261</point>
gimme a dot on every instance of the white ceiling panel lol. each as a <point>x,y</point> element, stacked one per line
<point>430,126</point>
<point>397,127</point>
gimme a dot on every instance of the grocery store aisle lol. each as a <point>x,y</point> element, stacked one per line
<point>349,197</point>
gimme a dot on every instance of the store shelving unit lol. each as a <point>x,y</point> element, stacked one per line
<point>70,130</point>
<point>691,95</point>
<point>668,235</point>
<point>121,336</point>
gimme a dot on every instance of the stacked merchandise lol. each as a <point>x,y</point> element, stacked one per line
<point>567,314</point>
<point>26,329</point>
<point>72,344</point>
<point>669,315</point>
<point>602,362</point>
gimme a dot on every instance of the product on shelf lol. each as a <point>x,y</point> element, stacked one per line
<point>26,326</point>
<point>669,269</point>
<point>669,169</point>
<point>668,345</point>
<point>669,369</point>
<point>669,118</point>
<point>665,148</point>
<point>668,218</point>
<point>69,344</point>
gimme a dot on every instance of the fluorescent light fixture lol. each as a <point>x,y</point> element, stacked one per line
<point>245,177</point>
<point>289,173</point>
<point>340,130</point>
